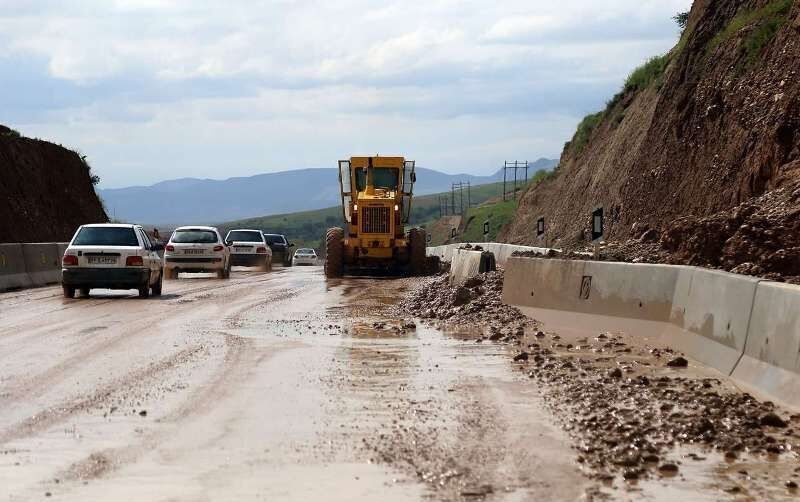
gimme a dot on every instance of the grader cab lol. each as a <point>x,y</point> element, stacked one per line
<point>376,204</point>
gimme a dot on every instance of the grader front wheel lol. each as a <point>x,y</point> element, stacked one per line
<point>334,253</point>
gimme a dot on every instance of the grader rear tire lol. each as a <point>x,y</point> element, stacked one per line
<point>416,245</point>
<point>334,253</point>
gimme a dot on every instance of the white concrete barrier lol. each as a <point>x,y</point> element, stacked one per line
<point>714,306</point>
<point>42,263</point>
<point>771,360</point>
<point>13,274</point>
<point>742,326</point>
<point>502,252</point>
<point>467,263</point>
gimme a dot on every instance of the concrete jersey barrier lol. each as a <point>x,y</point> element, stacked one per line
<point>23,265</point>
<point>500,250</point>
<point>467,263</point>
<point>742,326</point>
<point>42,262</point>
<point>771,360</point>
<point>13,274</point>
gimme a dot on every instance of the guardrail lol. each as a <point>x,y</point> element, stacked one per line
<point>25,265</point>
<point>744,327</point>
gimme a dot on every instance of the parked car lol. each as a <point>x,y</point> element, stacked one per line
<point>197,249</point>
<point>111,256</point>
<point>281,249</point>
<point>249,249</point>
<point>304,256</point>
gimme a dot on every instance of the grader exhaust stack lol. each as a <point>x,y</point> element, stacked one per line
<point>376,205</point>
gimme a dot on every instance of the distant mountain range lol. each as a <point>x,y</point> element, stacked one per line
<point>195,201</point>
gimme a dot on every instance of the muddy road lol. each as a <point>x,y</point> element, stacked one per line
<point>265,387</point>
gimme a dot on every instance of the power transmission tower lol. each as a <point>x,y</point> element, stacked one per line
<point>460,186</point>
<point>443,204</point>
<point>515,165</point>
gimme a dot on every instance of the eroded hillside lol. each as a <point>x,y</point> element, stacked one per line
<point>46,191</point>
<point>712,125</point>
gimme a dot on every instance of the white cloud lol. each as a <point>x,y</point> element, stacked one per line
<point>116,78</point>
<point>511,28</point>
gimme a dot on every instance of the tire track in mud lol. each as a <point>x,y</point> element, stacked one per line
<point>37,384</point>
<point>238,359</point>
<point>100,398</point>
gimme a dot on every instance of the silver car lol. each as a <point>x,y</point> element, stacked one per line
<point>197,249</point>
<point>304,256</point>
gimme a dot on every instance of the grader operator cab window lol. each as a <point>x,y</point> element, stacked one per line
<point>382,177</point>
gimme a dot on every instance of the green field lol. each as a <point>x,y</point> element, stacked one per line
<point>307,228</point>
<point>497,215</point>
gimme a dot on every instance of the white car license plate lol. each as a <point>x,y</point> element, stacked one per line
<point>243,249</point>
<point>102,260</point>
<point>194,251</point>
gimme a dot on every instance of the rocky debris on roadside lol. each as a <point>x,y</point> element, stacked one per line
<point>476,303</point>
<point>644,407</point>
<point>759,237</point>
<point>625,405</point>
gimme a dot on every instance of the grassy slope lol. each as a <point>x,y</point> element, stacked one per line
<point>307,228</point>
<point>498,215</point>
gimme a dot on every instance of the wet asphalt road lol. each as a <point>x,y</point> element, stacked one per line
<point>275,386</point>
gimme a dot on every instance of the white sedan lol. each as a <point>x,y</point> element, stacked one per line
<point>249,249</point>
<point>197,249</point>
<point>304,256</point>
<point>111,256</point>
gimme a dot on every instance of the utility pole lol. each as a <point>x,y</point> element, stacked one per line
<point>515,165</point>
<point>461,192</point>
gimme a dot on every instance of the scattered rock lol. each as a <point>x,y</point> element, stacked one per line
<point>668,468</point>
<point>522,356</point>
<point>772,420</point>
<point>678,362</point>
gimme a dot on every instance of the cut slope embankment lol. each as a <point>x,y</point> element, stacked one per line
<point>711,126</point>
<point>46,191</point>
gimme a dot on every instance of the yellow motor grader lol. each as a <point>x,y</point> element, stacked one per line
<point>376,205</point>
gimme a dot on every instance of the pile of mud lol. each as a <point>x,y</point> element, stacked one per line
<point>630,407</point>
<point>46,191</point>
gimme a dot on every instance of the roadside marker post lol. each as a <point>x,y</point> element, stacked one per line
<point>597,229</point>
<point>540,230</point>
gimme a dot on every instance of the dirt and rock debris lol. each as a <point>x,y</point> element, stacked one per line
<point>760,237</point>
<point>635,412</point>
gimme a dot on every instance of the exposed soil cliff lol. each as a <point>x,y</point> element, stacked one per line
<point>45,191</point>
<point>712,125</point>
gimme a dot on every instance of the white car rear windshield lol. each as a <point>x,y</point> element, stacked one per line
<point>106,236</point>
<point>194,237</point>
<point>305,251</point>
<point>244,236</point>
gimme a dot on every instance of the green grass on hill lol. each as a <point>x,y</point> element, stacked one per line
<point>498,215</point>
<point>767,21</point>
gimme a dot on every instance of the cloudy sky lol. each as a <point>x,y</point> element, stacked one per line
<point>158,89</point>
